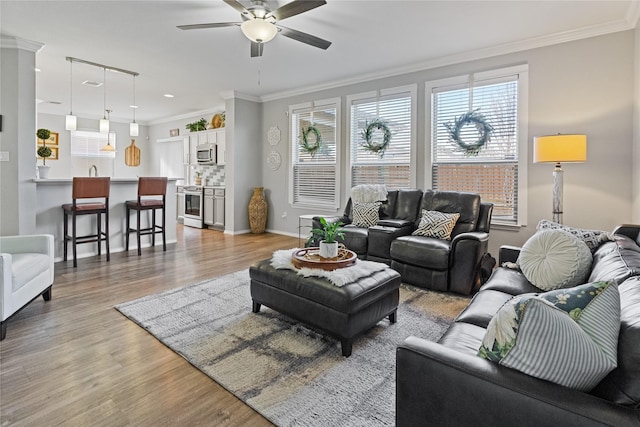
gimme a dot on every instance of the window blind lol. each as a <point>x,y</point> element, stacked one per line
<point>394,169</point>
<point>314,181</point>
<point>493,173</point>
<point>86,143</point>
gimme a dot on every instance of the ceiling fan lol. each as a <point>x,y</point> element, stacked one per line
<point>261,24</point>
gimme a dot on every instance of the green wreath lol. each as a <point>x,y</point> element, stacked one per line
<point>483,128</point>
<point>367,136</point>
<point>311,147</point>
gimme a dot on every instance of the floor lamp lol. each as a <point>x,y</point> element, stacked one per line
<point>556,149</point>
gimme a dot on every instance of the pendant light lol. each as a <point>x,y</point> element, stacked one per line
<point>133,126</point>
<point>71,121</point>
<point>111,137</point>
<point>104,122</point>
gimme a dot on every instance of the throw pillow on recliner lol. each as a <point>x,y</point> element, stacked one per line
<point>436,224</point>
<point>365,214</point>
<point>553,259</point>
<point>566,336</point>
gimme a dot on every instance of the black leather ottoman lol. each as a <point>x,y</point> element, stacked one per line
<point>344,312</point>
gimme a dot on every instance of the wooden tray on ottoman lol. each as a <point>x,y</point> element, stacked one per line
<point>310,257</point>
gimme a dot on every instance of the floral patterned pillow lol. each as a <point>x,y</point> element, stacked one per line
<point>566,336</point>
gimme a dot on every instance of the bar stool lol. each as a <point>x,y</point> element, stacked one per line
<point>87,188</point>
<point>148,186</point>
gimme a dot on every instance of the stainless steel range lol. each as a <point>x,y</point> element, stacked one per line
<point>193,199</point>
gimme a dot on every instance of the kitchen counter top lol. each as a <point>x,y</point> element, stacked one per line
<point>65,180</point>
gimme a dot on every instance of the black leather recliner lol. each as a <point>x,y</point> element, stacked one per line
<point>446,265</point>
<point>422,261</point>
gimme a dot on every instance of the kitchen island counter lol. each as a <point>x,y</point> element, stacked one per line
<point>51,194</point>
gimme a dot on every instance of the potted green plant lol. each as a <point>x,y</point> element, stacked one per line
<point>328,236</point>
<point>197,125</point>
<point>44,152</point>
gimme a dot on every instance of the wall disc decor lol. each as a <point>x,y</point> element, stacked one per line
<point>273,135</point>
<point>274,160</point>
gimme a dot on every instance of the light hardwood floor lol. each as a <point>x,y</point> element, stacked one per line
<point>76,361</point>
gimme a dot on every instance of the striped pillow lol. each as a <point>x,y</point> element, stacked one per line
<point>566,336</point>
<point>436,224</point>
<point>366,214</point>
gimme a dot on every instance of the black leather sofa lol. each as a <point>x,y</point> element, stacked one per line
<point>447,384</point>
<point>445,265</point>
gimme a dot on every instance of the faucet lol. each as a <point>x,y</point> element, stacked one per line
<point>94,168</point>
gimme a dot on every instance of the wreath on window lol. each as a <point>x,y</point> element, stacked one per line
<point>313,145</point>
<point>483,128</point>
<point>367,135</point>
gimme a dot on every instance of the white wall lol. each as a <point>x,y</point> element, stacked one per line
<point>18,90</point>
<point>580,87</point>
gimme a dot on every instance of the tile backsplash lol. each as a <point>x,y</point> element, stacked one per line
<point>212,175</point>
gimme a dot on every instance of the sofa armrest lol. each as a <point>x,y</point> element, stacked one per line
<point>397,223</point>
<point>380,238</point>
<point>630,230</point>
<point>36,243</point>
<point>436,385</point>
<point>508,254</point>
<point>467,250</point>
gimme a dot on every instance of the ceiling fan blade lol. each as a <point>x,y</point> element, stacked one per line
<point>294,8</point>
<point>256,49</point>
<point>304,37</point>
<point>237,6</point>
<point>213,25</point>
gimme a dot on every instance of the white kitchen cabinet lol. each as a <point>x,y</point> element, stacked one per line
<point>180,204</point>
<point>222,148</point>
<point>218,208</point>
<point>211,136</point>
<point>208,206</point>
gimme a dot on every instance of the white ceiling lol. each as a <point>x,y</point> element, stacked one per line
<point>370,38</point>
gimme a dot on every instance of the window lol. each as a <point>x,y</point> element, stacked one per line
<point>86,143</point>
<point>498,171</point>
<point>396,169</point>
<point>313,178</point>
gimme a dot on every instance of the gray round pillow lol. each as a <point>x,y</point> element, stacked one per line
<point>554,259</point>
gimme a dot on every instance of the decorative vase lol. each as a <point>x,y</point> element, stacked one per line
<point>328,250</point>
<point>43,172</point>
<point>258,211</point>
<point>198,180</point>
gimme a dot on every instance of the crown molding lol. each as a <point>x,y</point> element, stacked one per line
<point>10,42</point>
<point>503,49</point>
<point>234,94</point>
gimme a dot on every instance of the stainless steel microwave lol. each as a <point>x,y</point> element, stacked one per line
<point>207,154</point>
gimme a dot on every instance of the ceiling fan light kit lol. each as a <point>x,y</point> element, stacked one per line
<point>260,23</point>
<point>259,30</point>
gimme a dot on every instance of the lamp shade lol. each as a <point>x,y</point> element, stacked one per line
<point>71,122</point>
<point>133,129</point>
<point>104,125</point>
<point>560,149</point>
<point>259,30</point>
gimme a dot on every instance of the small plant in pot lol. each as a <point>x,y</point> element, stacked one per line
<point>328,236</point>
<point>43,151</point>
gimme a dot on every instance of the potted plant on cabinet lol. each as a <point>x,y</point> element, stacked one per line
<point>44,152</point>
<point>328,236</point>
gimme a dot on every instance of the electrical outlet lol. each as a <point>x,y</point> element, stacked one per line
<point>4,156</point>
<point>284,214</point>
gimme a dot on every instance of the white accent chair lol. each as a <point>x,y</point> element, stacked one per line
<point>26,272</point>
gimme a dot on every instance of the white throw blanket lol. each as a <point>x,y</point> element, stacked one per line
<point>368,193</point>
<point>282,260</point>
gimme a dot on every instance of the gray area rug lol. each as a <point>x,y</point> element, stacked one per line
<point>292,375</point>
